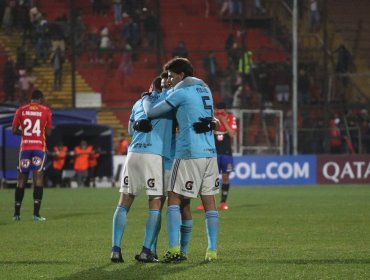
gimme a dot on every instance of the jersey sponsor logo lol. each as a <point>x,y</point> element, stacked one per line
<point>151,183</point>
<point>36,161</point>
<point>25,163</point>
<point>189,185</point>
<point>125,181</point>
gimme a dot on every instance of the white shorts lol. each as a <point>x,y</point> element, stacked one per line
<point>193,177</point>
<point>143,172</point>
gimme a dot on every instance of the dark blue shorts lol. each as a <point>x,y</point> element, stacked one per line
<point>225,163</point>
<point>32,160</point>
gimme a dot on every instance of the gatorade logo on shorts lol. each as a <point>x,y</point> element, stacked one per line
<point>189,185</point>
<point>151,183</point>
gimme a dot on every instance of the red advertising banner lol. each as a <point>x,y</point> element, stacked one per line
<point>346,169</point>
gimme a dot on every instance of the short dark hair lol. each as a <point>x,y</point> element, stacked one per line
<point>178,65</point>
<point>157,84</point>
<point>37,95</point>
<point>220,105</point>
<point>164,75</point>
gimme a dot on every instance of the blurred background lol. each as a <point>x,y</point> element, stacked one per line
<point>101,54</point>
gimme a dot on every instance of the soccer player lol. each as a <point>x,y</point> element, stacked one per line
<point>223,139</point>
<point>194,171</point>
<point>151,143</point>
<point>32,121</point>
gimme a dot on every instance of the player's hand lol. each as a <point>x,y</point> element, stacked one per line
<point>143,125</point>
<point>204,125</point>
<point>146,93</point>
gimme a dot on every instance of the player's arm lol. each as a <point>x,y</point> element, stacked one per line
<point>156,110</point>
<point>130,127</point>
<point>230,131</point>
<point>206,125</point>
<point>16,130</point>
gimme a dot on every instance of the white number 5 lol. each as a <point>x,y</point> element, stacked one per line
<point>30,128</point>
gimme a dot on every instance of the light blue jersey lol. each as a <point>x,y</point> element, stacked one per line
<point>191,101</point>
<point>157,141</point>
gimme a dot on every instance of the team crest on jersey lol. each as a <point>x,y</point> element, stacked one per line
<point>36,161</point>
<point>125,180</point>
<point>189,185</point>
<point>151,183</point>
<point>25,163</point>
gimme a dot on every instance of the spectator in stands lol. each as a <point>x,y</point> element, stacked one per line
<point>81,162</point>
<point>57,36</point>
<point>318,137</point>
<point>105,45</point>
<point>35,15</point>
<point>8,19</point>
<point>231,8</point>
<point>364,124</point>
<point>59,155</point>
<point>117,8</point>
<point>9,80</point>
<point>42,40</point>
<point>180,50</point>
<point>304,97</point>
<point>336,137</point>
<point>25,85</point>
<point>97,7</point>
<point>125,67</point>
<point>210,66</point>
<point>24,22</point>
<point>151,27</point>
<point>343,62</point>
<point>131,33</point>
<point>258,8</point>
<point>57,61</point>
<point>314,16</point>
<point>227,90</point>
<point>21,58</point>
<point>245,67</point>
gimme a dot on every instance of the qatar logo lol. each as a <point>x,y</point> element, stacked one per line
<point>125,180</point>
<point>36,161</point>
<point>25,163</point>
<point>189,185</point>
<point>151,183</point>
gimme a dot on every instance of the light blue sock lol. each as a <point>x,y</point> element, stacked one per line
<point>158,229</point>
<point>212,229</point>
<point>173,225</point>
<point>151,227</point>
<point>118,227</point>
<point>185,232</point>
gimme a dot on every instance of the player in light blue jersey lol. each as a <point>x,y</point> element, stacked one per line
<point>195,170</point>
<point>144,169</point>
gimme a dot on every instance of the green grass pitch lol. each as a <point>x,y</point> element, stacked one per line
<point>313,232</point>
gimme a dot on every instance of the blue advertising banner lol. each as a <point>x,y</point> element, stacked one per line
<point>273,170</point>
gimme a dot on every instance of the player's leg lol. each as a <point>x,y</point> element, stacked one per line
<point>211,215</point>
<point>173,227</point>
<point>210,188</point>
<point>226,168</point>
<point>153,248</point>
<point>186,228</point>
<point>224,191</point>
<point>118,225</point>
<point>37,166</point>
<point>19,194</point>
<point>152,222</point>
